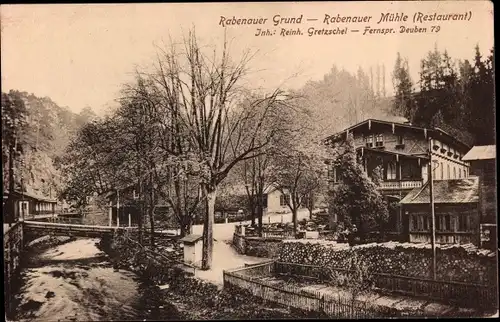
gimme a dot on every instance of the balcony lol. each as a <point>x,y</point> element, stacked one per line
<point>400,185</point>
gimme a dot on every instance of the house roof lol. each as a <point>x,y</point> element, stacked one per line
<point>32,194</point>
<point>190,239</point>
<point>446,191</point>
<point>481,152</point>
<point>434,132</point>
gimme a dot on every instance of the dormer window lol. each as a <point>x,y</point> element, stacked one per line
<point>443,148</point>
<point>369,141</point>
<point>379,140</point>
<point>435,145</point>
<point>400,142</point>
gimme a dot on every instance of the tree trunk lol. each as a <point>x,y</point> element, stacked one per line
<point>260,213</point>
<point>210,193</point>
<point>183,230</point>
<point>152,225</point>
<point>253,215</point>
<point>152,210</point>
<point>294,219</point>
<point>141,211</point>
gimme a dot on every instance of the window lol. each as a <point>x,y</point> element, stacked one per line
<point>448,172</point>
<point>391,171</point>
<point>379,140</point>
<point>447,222</point>
<point>334,174</point>
<point>400,140</point>
<point>427,223</point>
<point>284,200</point>
<point>443,223</point>
<point>459,172</point>
<point>369,141</point>
<point>454,173</point>
<point>413,223</point>
<point>420,222</point>
<point>442,170</point>
<point>463,222</point>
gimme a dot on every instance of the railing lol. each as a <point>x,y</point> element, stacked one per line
<point>13,245</point>
<point>278,233</point>
<point>404,184</point>
<point>466,294</point>
<point>267,233</point>
<point>261,269</point>
<point>291,296</point>
<point>65,220</point>
<point>71,228</point>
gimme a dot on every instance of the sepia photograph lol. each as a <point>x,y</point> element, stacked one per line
<point>244,160</point>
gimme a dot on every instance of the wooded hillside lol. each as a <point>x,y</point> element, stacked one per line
<point>37,130</point>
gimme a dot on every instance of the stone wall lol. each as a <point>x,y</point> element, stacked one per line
<point>257,246</point>
<point>239,243</point>
<point>461,263</point>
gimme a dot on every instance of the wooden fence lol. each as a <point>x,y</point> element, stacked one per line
<point>464,294</point>
<point>250,279</point>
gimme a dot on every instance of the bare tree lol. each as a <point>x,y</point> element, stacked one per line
<point>256,175</point>
<point>220,123</point>
<point>299,164</point>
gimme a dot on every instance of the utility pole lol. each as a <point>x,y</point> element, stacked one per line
<point>433,215</point>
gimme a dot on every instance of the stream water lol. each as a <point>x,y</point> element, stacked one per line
<point>75,281</point>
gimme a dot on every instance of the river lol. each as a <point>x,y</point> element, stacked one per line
<point>75,281</point>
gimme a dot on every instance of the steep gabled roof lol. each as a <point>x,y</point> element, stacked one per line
<point>481,152</point>
<point>446,191</point>
<point>434,132</point>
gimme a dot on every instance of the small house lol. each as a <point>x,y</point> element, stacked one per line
<point>455,207</point>
<point>192,249</point>
<point>482,161</point>
<point>29,204</point>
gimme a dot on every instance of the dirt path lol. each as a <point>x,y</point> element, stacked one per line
<point>225,257</point>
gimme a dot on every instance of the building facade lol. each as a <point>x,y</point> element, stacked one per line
<point>29,205</point>
<point>455,207</point>
<point>483,164</point>
<point>404,152</point>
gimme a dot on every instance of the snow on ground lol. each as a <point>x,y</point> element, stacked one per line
<point>225,257</point>
<point>225,231</point>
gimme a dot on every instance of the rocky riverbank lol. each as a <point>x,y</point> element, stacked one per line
<point>73,280</point>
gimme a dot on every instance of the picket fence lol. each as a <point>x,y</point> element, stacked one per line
<point>464,294</point>
<point>252,279</point>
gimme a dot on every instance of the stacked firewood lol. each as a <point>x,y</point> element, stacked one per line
<point>464,263</point>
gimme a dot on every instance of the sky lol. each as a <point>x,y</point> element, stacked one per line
<point>81,55</point>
